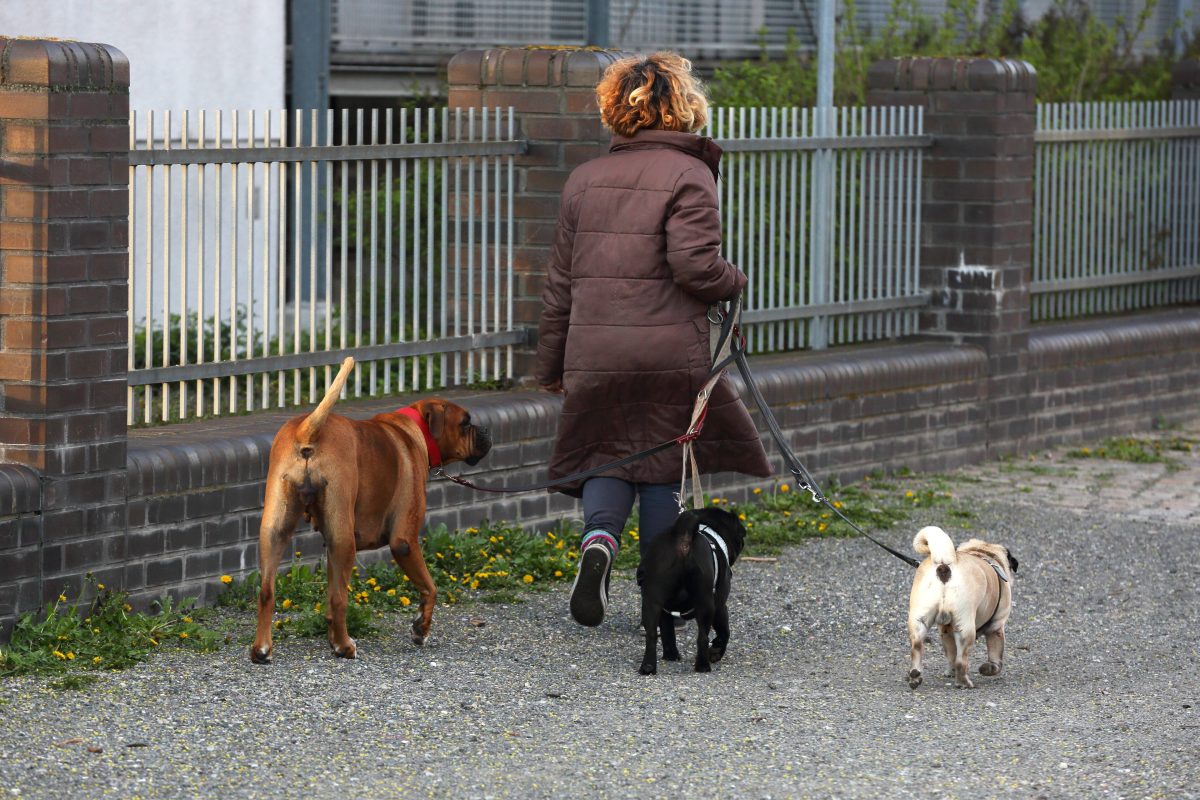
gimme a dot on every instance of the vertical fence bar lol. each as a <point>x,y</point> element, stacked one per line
<point>387,251</point>
<point>402,270</point>
<point>131,352</point>
<point>496,244</point>
<point>458,254</point>
<point>165,388</point>
<point>508,318</point>
<point>430,136</point>
<point>416,260</point>
<point>373,339</point>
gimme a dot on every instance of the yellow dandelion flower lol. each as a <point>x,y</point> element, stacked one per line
<point>558,573</point>
<point>377,588</point>
<point>61,656</point>
<point>560,545</point>
<point>551,535</point>
<point>70,656</point>
<point>474,584</point>
<point>183,635</point>
<point>62,598</point>
<point>278,624</point>
<point>97,660</point>
<point>909,494</point>
<point>185,619</point>
<point>493,539</point>
<point>785,488</point>
<point>371,582</point>
<point>127,607</point>
<point>528,579</point>
<point>298,554</point>
<point>742,517</point>
<point>787,513</point>
<point>716,501</point>
<point>404,601</point>
<point>757,490</point>
<point>472,530</point>
<point>822,526</point>
<point>100,586</point>
<point>317,608</point>
<point>227,579</point>
<point>837,503</point>
<point>154,642</point>
<point>391,592</point>
<point>286,604</point>
<point>439,555</point>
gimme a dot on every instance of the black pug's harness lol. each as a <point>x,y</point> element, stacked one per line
<point>717,545</point>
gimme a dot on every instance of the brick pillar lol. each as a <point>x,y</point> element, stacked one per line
<point>552,91</point>
<point>64,139</point>
<point>1185,80</point>
<point>976,215</point>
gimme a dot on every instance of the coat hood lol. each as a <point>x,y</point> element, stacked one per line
<point>701,147</point>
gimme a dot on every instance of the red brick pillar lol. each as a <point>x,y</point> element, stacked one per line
<point>553,94</point>
<point>1185,80</point>
<point>976,214</point>
<point>64,139</point>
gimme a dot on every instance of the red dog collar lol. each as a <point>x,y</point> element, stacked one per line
<point>431,445</point>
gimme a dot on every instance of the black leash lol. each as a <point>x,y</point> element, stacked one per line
<point>804,479</point>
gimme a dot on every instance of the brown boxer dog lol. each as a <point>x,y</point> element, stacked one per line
<point>362,485</point>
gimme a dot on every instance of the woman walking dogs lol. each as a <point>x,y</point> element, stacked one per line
<point>624,332</point>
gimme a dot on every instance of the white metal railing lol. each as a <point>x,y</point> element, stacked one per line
<point>1116,207</point>
<point>824,216</point>
<point>266,245</point>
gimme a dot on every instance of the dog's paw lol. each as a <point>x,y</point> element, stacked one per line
<point>705,667</point>
<point>347,650</point>
<point>671,654</point>
<point>261,655</point>
<point>648,669</point>
<point>965,684</point>
<point>418,636</point>
<point>716,653</point>
<point>914,678</point>
<point>989,668</point>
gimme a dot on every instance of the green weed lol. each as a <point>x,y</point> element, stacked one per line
<point>69,638</point>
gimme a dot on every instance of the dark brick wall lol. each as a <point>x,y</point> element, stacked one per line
<point>64,137</point>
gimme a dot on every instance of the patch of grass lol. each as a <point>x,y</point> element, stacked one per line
<point>1135,450</point>
<point>69,639</point>
<point>493,563</point>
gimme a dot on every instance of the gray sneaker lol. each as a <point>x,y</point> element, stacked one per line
<point>589,594</point>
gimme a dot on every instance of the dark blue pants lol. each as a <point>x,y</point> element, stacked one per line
<point>607,503</point>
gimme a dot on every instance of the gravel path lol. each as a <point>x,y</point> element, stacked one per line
<point>1099,696</point>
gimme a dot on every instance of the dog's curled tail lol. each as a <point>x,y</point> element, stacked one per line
<point>311,425</point>
<point>933,542</point>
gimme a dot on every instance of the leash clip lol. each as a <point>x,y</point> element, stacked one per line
<point>437,472</point>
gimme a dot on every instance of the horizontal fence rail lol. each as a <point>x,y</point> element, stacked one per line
<point>823,214</point>
<point>267,246</point>
<point>1116,207</point>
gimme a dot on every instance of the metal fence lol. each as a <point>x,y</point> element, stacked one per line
<point>268,244</point>
<point>823,214</point>
<point>1116,207</point>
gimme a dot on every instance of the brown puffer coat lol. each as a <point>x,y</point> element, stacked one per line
<point>635,264</point>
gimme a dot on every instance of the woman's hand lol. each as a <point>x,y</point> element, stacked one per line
<point>555,387</point>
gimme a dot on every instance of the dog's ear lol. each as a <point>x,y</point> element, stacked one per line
<point>1012,561</point>
<point>435,418</point>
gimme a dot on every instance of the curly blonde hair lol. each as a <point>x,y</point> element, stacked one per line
<point>655,92</point>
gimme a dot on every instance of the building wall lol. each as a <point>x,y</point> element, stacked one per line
<point>184,54</point>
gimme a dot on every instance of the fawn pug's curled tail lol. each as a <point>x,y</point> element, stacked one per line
<point>932,541</point>
<point>311,426</point>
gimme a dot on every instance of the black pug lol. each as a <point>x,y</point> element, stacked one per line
<point>687,571</point>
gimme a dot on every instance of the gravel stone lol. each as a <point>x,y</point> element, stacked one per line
<point>1098,697</point>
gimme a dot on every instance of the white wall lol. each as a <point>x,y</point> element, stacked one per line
<point>182,53</point>
<point>185,55</point>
